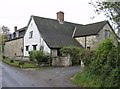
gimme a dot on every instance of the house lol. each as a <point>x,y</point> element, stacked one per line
<point>49,35</point>
<point>14,45</point>
<point>91,35</point>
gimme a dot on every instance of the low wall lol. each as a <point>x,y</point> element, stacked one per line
<point>61,61</point>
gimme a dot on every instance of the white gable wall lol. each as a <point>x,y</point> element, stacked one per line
<point>35,40</point>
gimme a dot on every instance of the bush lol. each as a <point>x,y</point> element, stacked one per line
<point>38,55</point>
<point>74,52</point>
<point>3,57</point>
<point>11,61</point>
<point>102,65</point>
<point>105,64</point>
<point>86,56</point>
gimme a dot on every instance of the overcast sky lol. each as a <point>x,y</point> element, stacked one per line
<point>18,12</point>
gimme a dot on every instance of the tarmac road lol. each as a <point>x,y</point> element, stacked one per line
<point>51,77</point>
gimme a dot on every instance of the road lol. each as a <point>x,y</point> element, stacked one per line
<point>50,77</point>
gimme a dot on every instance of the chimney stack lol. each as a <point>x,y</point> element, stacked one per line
<point>15,28</point>
<point>60,17</point>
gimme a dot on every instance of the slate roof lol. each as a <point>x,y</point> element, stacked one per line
<point>89,29</point>
<point>56,35</point>
<point>22,31</point>
<point>21,34</point>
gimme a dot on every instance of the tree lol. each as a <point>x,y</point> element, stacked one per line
<point>4,32</point>
<point>111,10</point>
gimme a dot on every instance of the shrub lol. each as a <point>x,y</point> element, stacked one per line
<point>3,57</point>
<point>86,56</point>
<point>105,64</point>
<point>38,55</point>
<point>74,52</point>
<point>11,61</point>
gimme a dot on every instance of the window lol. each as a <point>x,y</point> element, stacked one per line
<point>58,52</point>
<point>27,48</point>
<point>31,34</point>
<point>42,48</point>
<point>34,47</point>
<point>107,34</point>
<point>17,33</point>
<point>88,47</point>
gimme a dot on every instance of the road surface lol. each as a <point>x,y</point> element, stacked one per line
<point>51,77</point>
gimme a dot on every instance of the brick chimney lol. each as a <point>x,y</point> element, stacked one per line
<point>60,17</point>
<point>15,28</point>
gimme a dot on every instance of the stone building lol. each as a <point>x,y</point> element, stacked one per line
<point>14,45</point>
<point>91,35</point>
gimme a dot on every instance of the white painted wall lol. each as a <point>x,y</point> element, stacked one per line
<point>35,40</point>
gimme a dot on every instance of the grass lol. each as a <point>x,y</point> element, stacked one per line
<point>84,79</point>
<point>16,63</point>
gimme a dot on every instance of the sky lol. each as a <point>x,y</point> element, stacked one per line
<point>18,12</point>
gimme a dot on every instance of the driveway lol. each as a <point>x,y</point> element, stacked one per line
<point>51,77</point>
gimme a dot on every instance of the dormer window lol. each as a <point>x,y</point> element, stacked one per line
<point>31,34</point>
<point>107,33</point>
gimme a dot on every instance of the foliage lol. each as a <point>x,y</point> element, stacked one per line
<point>38,55</point>
<point>3,57</point>
<point>111,9</point>
<point>86,56</point>
<point>85,79</point>
<point>31,55</point>
<point>4,34</point>
<point>11,61</point>
<point>104,65</point>
<point>16,63</point>
<point>74,52</point>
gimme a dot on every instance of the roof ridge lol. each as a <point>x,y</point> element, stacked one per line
<point>55,20</point>
<point>96,22</point>
<point>23,28</point>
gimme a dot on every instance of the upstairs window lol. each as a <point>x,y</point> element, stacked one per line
<point>107,33</point>
<point>42,48</point>
<point>31,34</point>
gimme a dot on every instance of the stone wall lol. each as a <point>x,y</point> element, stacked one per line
<point>13,48</point>
<point>61,61</point>
<point>54,52</point>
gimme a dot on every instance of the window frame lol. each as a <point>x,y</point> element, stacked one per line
<point>34,47</point>
<point>107,33</point>
<point>30,34</point>
<point>27,48</point>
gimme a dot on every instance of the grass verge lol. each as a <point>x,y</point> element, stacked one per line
<point>85,79</point>
<point>16,63</point>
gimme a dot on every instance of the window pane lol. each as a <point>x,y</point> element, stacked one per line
<point>107,34</point>
<point>34,47</point>
<point>27,48</point>
<point>31,34</point>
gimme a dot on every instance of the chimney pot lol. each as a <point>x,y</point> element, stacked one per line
<point>15,28</point>
<point>60,16</point>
